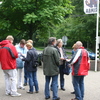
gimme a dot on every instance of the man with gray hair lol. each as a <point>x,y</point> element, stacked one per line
<point>50,68</point>
<point>8,55</point>
<point>80,66</point>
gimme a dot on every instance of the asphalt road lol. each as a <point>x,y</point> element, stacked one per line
<point>92,88</point>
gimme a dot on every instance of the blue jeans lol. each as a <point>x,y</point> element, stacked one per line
<point>78,82</point>
<point>25,76</point>
<point>54,86</point>
<point>33,81</point>
<point>61,76</point>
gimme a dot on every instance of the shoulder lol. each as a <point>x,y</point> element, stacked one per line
<point>17,46</point>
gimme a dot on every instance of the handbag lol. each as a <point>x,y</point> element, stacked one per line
<point>66,69</point>
<point>19,63</point>
<point>60,62</point>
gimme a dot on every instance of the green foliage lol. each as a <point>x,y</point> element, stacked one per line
<point>30,18</point>
<point>33,19</point>
<point>79,26</point>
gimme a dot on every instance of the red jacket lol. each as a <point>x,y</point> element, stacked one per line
<point>80,62</point>
<point>6,60</point>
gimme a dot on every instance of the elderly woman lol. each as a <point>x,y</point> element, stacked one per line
<point>31,67</point>
<point>63,57</point>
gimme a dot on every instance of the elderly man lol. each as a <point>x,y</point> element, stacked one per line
<point>80,66</point>
<point>8,55</point>
<point>50,67</point>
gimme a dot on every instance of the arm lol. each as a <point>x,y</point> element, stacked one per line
<point>75,57</point>
<point>56,57</point>
<point>28,57</point>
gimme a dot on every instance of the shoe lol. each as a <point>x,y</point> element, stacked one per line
<point>29,92</point>
<point>7,94</point>
<point>63,89</point>
<point>72,92</point>
<point>37,92</point>
<point>51,89</point>
<point>74,99</point>
<point>16,95</point>
<point>47,97</point>
<point>25,84</point>
<point>57,98</point>
<point>21,88</point>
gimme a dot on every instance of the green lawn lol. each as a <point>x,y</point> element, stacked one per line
<point>39,48</point>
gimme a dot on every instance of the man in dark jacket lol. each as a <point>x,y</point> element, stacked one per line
<point>80,66</point>
<point>8,55</point>
<point>50,68</point>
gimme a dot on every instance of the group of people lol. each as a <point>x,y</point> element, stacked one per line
<point>13,59</point>
<point>53,55</point>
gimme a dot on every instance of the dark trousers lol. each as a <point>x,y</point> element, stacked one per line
<point>78,82</point>
<point>61,76</point>
<point>33,81</point>
<point>54,86</point>
<point>25,76</point>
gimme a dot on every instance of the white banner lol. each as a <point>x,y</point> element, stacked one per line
<point>90,6</point>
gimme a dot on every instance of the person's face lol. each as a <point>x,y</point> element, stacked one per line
<point>22,45</point>
<point>28,47</point>
<point>60,44</point>
<point>54,43</point>
<point>11,41</point>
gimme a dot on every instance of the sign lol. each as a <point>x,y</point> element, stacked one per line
<point>90,6</point>
<point>64,39</point>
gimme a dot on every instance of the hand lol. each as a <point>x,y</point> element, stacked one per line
<point>22,56</point>
<point>68,60</point>
<point>62,58</point>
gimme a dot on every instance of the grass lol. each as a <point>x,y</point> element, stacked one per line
<point>68,53</point>
<point>42,48</point>
<point>39,48</point>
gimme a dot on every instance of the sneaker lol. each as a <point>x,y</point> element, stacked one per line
<point>63,89</point>
<point>57,98</point>
<point>7,94</point>
<point>25,84</point>
<point>47,97</point>
<point>37,92</point>
<point>21,88</point>
<point>73,92</point>
<point>74,99</point>
<point>29,92</point>
<point>16,95</point>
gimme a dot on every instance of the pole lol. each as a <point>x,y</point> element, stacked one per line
<point>97,28</point>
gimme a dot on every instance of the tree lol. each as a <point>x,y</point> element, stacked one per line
<point>32,18</point>
<point>79,26</point>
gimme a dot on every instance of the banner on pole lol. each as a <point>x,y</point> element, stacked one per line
<point>90,6</point>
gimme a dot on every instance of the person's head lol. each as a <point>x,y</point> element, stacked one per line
<point>74,46</point>
<point>10,38</point>
<point>22,43</point>
<point>52,41</point>
<point>59,43</point>
<point>30,41</point>
<point>29,46</point>
<point>79,44</point>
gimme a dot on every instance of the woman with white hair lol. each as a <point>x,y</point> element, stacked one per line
<point>63,57</point>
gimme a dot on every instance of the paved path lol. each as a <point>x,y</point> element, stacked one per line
<point>92,88</point>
